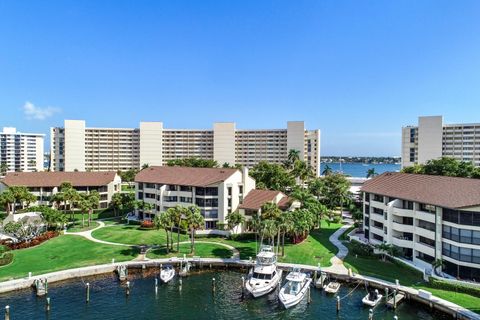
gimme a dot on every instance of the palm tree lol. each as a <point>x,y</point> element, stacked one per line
<point>371,173</point>
<point>285,225</point>
<point>3,168</point>
<point>234,219</point>
<point>270,210</point>
<point>438,264</point>
<point>269,230</point>
<point>88,202</point>
<point>303,171</point>
<point>327,170</point>
<point>16,195</point>
<point>194,221</point>
<point>145,166</point>
<point>292,157</point>
<point>117,203</point>
<point>164,221</point>
<point>385,249</point>
<point>178,214</point>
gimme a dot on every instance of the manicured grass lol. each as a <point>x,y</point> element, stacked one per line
<point>134,235</point>
<point>63,252</point>
<point>245,247</point>
<point>204,250</point>
<point>315,249</point>
<point>77,226</point>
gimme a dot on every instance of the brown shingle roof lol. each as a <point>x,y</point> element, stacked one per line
<point>185,176</point>
<point>449,192</point>
<point>55,179</point>
<point>256,198</point>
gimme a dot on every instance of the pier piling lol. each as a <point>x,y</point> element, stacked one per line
<point>47,304</point>
<point>370,314</point>
<point>127,289</point>
<point>156,285</point>
<point>180,282</point>
<point>243,286</point>
<point>338,304</point>
<point>7,312</point>
<point>46,286</point>
<point>88,292</point>
<point>309,298</point>
<point>213,285</point>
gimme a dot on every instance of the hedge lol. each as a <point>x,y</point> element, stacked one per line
<point>454,287</point>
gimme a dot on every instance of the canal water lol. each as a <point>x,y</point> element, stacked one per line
<point>194,301</point>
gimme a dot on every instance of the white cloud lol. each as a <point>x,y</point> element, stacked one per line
<point>37,113</point>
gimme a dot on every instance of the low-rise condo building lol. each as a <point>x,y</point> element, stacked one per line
<point>77,147</point>
<point>428,218</point>
<point>21,152</point>
<point>44,185</point>
<point>432,139</point>
<point>217,191</point>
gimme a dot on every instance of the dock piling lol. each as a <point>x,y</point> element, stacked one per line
<point>46,286</point>
<point>309,300</point>
<point>127,289</point>
<point>180,282</point>
<point>370,314</point>
<point>156,285</point>
<point>88,292</point>
<point>213,285</point>
<point>47,304</point>
<point>7,312</point>
<point>338,304</point>
<point>243,286</point>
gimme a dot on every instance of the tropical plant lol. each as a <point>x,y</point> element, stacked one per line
<point>303,172</point>
<point>269,230</point>
<point>16,195</point>
<point>272,176</point>
<point>234,219</point>
<point>22,230</point>
<point>371,173</point>
<point>195,162</point>
<point>88,202</point>
<point>270,210</point>
<point>386,249</point>
<point>117,203</point>
<point>438,264</point>
<point>445,166</point>
<point>327,170</point>
<point>194,221</point>
<point>3,168</point>
<point>334,191</point>
<point>53,218</point>
<point>285,226</point>
<point>145,166</point>
<point>292,157</point>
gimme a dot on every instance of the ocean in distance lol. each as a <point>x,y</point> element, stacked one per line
<point>360,169</point>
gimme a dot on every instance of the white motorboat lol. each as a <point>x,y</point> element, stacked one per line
<point>167,273</point>
<point>372,298</point>
<point>295,289</point>
<point>332,287</point>
<point>264,277</point>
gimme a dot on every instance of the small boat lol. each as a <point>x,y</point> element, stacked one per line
<point>264,277</point>
<point>372,298</point>
<point>167,273</point>
<point>332,287</point>
<point>295,289</point>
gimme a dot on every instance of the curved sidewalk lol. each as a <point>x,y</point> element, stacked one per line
<point>337,261</point>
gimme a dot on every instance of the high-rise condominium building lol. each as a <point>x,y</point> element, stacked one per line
<point>77,147</point>
<point>432,139</point>
<point>21,151</point>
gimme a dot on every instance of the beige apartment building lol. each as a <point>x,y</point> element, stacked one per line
<point>77,147</point>
<point>21,151</point>
<point>432,139</point>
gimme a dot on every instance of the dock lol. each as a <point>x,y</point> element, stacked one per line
<point>395,300</point>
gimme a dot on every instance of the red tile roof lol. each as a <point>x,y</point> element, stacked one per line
<point>55,179</point>
<point>256,198</point>
<point>185,176</point>
<point>449,192</point>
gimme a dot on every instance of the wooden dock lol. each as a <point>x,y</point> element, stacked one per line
<point>395,300</point>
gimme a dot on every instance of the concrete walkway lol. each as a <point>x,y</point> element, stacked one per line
<point>88,234</point>
<point>337,261</point>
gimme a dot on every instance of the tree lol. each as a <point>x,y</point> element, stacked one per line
<point>272,176</point>
<point>334,191</point>
<point>195,162</point>
<point>292,157</point>
<point>371,173</point>
<point>194,221</point>
<point>303,172</point>
<point>445,166</point>
<point>164,221</point>
<point>269,230</point>
<point>270,211</point>
<point>438,264</point>
<point>117,203</point>
<point>53,218</point>
<point>387,249</point>
<point>327,170</point>
<point>3,168</point>
<point>145,166</point>
<point>285,225</point>
<point>178,214</point>
<point>88,202</point>
<point>22,230</point>
<point>70,196</point>
<point>129,175</point>
<point>234,219</point>
<point>16,195</point>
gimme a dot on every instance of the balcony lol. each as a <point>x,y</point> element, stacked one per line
<point>425,232</point>
<point>427,216</point>
<point>402,242</point>
<point>377,204</point>
<point>402,212</point>
<point>402,227</point>
<point>425,248</point>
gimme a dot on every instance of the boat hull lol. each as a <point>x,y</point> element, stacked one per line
<point>166,276</point>
<point>259,288</point>
<point>289,301</point>
<point>371,303</point>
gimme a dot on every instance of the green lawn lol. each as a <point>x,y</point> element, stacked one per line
<point>204,250</point>
<point>407,276</point>
<point>63,252</point>
<point>77,226</point>
<point>134,235</point>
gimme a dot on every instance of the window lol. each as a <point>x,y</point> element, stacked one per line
<point>378,198</point>
<point>240,189</point>
<point>427,208</point>
<point>408,205</point>
<point>229,189</point>
<point>185,188</point>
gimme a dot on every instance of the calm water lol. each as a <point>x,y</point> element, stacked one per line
<point>194,301</point>
<point>360,169</point>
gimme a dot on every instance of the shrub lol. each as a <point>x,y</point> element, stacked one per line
<point>6,258</point>
<point>454,287</point>
<point>361,249</point>
<point>243,236</point>
<point>146,224</point>
<point>34,242</point>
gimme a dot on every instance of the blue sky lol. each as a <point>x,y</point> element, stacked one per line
<point>357,70</point>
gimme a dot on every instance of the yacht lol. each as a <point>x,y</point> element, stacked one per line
<point>167,273</point>
<point>264,277</point>
<point>332,287</point>
<point>295,289</point>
